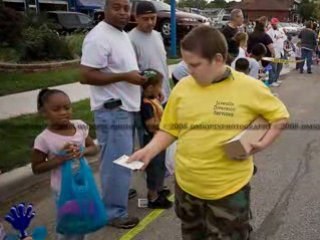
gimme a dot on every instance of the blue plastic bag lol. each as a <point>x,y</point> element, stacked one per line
<point>80,208</point>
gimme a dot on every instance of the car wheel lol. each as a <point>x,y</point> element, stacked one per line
<point>165,28</point>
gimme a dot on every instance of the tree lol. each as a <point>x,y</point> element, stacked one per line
<point>217,4</point>
<point>307,9</point>
<point>201,4</point>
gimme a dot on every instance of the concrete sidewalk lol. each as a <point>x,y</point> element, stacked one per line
<point>25,103</point>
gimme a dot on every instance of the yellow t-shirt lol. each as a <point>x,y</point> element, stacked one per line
<point>194,115</point>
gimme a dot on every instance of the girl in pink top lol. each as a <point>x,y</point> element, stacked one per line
<point>61,135</point>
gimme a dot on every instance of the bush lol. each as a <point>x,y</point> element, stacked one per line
<point>11,25</point>
<point>8,54</point>
<point>43,44</point>
<point>75,43</point>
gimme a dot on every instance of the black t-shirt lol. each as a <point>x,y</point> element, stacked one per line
<point>256,38</point>
<point>229,32</point>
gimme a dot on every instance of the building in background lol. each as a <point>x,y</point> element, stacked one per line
<point>284,10</point>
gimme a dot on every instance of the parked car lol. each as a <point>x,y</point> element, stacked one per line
<point>223,21</point>
<point>68,22</point>
<point>185,21</point>
<point>289,28</point>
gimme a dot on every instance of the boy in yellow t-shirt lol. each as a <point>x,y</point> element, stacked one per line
<point>204,111</point>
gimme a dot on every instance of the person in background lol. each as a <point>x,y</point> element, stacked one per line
<point>242,41</point>
<point>232,28</point>
<point>109,65</point>
<point>257,53</point>
<point>289,47</point>
<point>260,36</point>
<point>242,65</point>
<point>151,112</point>
<point>278,37</point>
<point>148,45</point>
<point>179,72</point>
<point>308,45</point>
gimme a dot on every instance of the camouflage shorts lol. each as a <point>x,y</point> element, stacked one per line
<point>223,219</point>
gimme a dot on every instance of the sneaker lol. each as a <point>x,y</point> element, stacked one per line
<point>160,203</point>
<point>165,192</point>
<point>309,72</point>
<point>125,223</point>
<point>275,84</point>
<point>132,193</point>
<point>279,81</point>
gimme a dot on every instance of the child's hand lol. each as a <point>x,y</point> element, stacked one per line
<point>68,152</point>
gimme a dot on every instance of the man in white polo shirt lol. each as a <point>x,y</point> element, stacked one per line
<point>109,66</point>
<point>278,37</point>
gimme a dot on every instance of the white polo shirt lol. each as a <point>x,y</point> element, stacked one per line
<point>278,37</point>
<point>110,50</point>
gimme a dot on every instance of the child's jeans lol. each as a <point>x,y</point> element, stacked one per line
<point>156,170</point>
<point>66,237</point>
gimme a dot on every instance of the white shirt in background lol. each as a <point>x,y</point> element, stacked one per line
<point>180,71</point>
<point>110,50</point>
<point>278,37</point>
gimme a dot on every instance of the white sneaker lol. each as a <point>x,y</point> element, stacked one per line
<point>275,84</point>
<point>279,81</point>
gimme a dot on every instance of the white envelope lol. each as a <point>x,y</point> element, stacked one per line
<point>122,161</point>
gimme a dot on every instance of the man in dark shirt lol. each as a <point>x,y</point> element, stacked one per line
<point>308,45</point>
<point>231,29</point>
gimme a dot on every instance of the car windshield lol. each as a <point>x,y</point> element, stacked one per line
<point>69,19</point>
<point>161,6</point>
<point>226,18</point>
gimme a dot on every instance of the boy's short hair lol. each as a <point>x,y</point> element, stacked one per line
<point>242,65</point>
<point>205,41</point>
<point>153,76</point>
<point>259,50</point>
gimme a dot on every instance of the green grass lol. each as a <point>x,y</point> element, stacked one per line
<point>19,82</point>
<point>18,134</point>
<point>171,61</point>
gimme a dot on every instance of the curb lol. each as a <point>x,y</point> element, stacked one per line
<point>36,67</point>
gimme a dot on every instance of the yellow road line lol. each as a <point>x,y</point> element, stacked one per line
<point>144,223</point>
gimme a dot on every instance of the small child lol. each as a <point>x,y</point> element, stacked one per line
<point>61,135</point>
<point>242,65</point>
<point>257,53</point>
<point>289,48</point>
<point>151,112</point>
<point>242,40</point>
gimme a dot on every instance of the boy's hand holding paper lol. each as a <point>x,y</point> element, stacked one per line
<point>123,161</point>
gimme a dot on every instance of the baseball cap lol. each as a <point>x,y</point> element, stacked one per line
<point>145,7</point>
<point>274,21</point>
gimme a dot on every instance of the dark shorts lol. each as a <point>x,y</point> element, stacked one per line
<point>223,219</point>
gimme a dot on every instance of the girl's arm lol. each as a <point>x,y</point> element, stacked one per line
<point>91,148</point>
<point>40,164</point>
